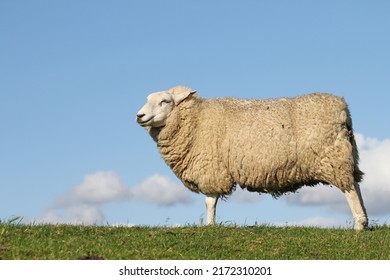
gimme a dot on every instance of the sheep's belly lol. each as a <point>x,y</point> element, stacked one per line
<point>286,177</point>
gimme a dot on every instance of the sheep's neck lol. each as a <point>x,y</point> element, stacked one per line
<point>176,139</point>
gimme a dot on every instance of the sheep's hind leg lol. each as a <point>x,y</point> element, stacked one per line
<point>211,206</point>
<point>355,202</point>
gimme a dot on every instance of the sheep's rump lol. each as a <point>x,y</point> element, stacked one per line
<point>273,145</point>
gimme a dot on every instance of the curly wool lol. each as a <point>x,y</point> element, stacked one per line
<point>271,146</point>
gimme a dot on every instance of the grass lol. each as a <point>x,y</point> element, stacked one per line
<point>65,242</point>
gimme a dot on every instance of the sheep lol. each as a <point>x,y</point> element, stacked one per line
<point>272,146</point>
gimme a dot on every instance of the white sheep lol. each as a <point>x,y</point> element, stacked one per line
<point>268,146</point>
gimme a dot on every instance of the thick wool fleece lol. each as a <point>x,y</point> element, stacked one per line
<point>272,145</point>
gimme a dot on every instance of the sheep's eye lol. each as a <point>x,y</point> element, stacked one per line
<point>164,101</point>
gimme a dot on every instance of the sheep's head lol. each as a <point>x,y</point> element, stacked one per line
<point>160,104</point>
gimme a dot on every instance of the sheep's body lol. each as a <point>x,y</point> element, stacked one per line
<point>272,146</point>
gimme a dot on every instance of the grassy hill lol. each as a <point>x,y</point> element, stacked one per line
<point>192,242</point>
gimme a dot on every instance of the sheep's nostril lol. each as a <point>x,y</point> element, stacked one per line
<point>139,116</point>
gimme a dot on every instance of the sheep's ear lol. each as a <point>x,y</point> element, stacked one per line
<point>179,97</point>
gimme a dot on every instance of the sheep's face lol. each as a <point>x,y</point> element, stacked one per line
<point>160,104</point>
<point>156,110</point>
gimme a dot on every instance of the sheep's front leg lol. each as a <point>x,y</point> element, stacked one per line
<point>211,206</point>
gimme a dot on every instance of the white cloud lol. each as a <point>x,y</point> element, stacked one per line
<point>242,195</point>
<point>81,203</point>
<point>319,195</point>
<point>98,188</point>
<point>160,190</point>
<point>375,163</point>
<point>375,187</point>
<point>104,187</point>
<point>76,214</point>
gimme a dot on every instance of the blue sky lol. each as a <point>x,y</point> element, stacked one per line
<point>73,74</point>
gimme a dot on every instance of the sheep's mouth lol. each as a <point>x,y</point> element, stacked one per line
<point>143,123</point>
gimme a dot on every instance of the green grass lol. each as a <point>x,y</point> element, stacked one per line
<point>191,242</point>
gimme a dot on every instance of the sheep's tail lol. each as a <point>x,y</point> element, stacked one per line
<point>357,173</point>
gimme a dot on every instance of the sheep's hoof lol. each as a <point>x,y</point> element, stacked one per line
<point>361,224</point>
